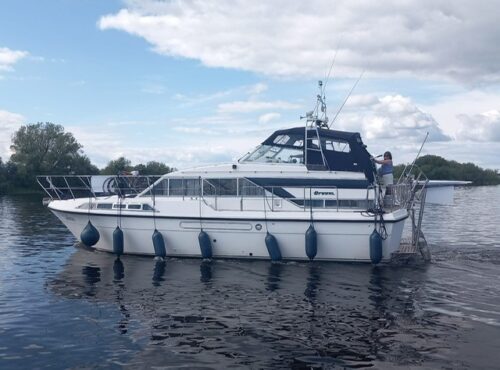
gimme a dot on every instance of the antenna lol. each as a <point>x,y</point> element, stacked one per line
<point>327,78</point>
<point>347,97</point>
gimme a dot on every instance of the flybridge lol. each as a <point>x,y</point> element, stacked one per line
<point>316,146</point>
<point>324,150</point>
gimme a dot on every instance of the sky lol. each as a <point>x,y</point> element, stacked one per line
<point>194,82</point>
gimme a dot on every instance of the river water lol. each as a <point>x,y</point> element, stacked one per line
<point>66,307</point>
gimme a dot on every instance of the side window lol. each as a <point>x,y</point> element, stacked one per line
<point>161,188</point>
<point>281,139</point>
<point>337,146</point>
<point>175,187</point>
<point>192,187</point>
<point>223,187</point>
<point>104,205</point>
<point>227,187</point>
<point>312,143</point>
<point>299,143</point>
<point>249,189</point>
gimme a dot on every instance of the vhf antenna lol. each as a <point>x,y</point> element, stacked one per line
<point>331,66</point>
<point>312,117</point>
<point>347,97</point>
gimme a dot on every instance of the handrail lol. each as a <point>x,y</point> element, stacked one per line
<point>74,186</point>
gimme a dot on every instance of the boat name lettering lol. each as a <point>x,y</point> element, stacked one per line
<point>324,192</point>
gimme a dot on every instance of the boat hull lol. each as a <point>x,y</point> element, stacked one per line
<point>337,239</point>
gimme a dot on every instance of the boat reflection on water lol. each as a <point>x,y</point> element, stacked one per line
<point>232,312</point>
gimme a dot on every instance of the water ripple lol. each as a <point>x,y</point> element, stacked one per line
<point>65,307</point>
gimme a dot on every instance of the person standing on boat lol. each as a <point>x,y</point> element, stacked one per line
<point>385,171</point>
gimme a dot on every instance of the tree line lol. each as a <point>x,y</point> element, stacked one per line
<point>44,148</point>
<point>438,168</point>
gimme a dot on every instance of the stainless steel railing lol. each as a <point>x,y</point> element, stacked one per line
<point>247,195</point>
<point>82,186</point>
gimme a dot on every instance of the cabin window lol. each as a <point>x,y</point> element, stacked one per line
<point>160,188</point>
<point>118,206</point>
<point>314,144</point>
<point>224,187</point>
<point>187,187</point>
<point>337,146</point>
<point>104,206</point>
<point>330,203</point>
<point>281,139</point>
<point>175,187</point>
<point>134,206</point>
<point>276,154</point>
<point>247,188</point>
<point>192,187</point>
<point>147,207</point>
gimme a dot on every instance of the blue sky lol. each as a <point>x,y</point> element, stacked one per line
<point>195,82</point>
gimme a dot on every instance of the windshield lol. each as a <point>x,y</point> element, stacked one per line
<point>275,154</point>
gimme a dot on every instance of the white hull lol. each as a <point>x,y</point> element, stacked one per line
<point>343,236</point>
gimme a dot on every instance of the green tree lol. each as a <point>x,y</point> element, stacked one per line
<point>3,177</point>
<point>438,168</point>
<point>153,168</point>
<point>117,166</point>
<point>44,148</point>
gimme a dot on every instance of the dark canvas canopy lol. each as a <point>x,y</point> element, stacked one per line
<point>342,151</point>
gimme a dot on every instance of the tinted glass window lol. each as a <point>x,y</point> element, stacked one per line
<point>226,187</point>
<point>176,187</point>
<point>192,187</point>
<point>104,206</point>
<point>249,189</point>
<point>160,188</point>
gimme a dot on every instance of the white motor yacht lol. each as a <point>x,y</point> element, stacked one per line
<point>305,193</point>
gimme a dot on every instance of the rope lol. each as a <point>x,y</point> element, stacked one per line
<point>154,205</point>
<point>310,207</point>
<point>265,212</point>
<point>376,212</point>
<point>119,213</point>
<point>382,229</point>
<point>199,203</point>
<point>90,205</point>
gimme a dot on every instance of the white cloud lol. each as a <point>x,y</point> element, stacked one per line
<point>198,146</point>
<point>480,127</point>
<point>9,123</point>
<point>154,89</point>
<point>452,40</point>
<point>390,117</point>
<point>258,88</point>
<point>449,108</point>
<point>253,91</point>
<point>268,117</point>
<point>10,57</point>
<point>254,106</point>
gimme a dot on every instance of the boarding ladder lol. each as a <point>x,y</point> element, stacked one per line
<point>417,183</point>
